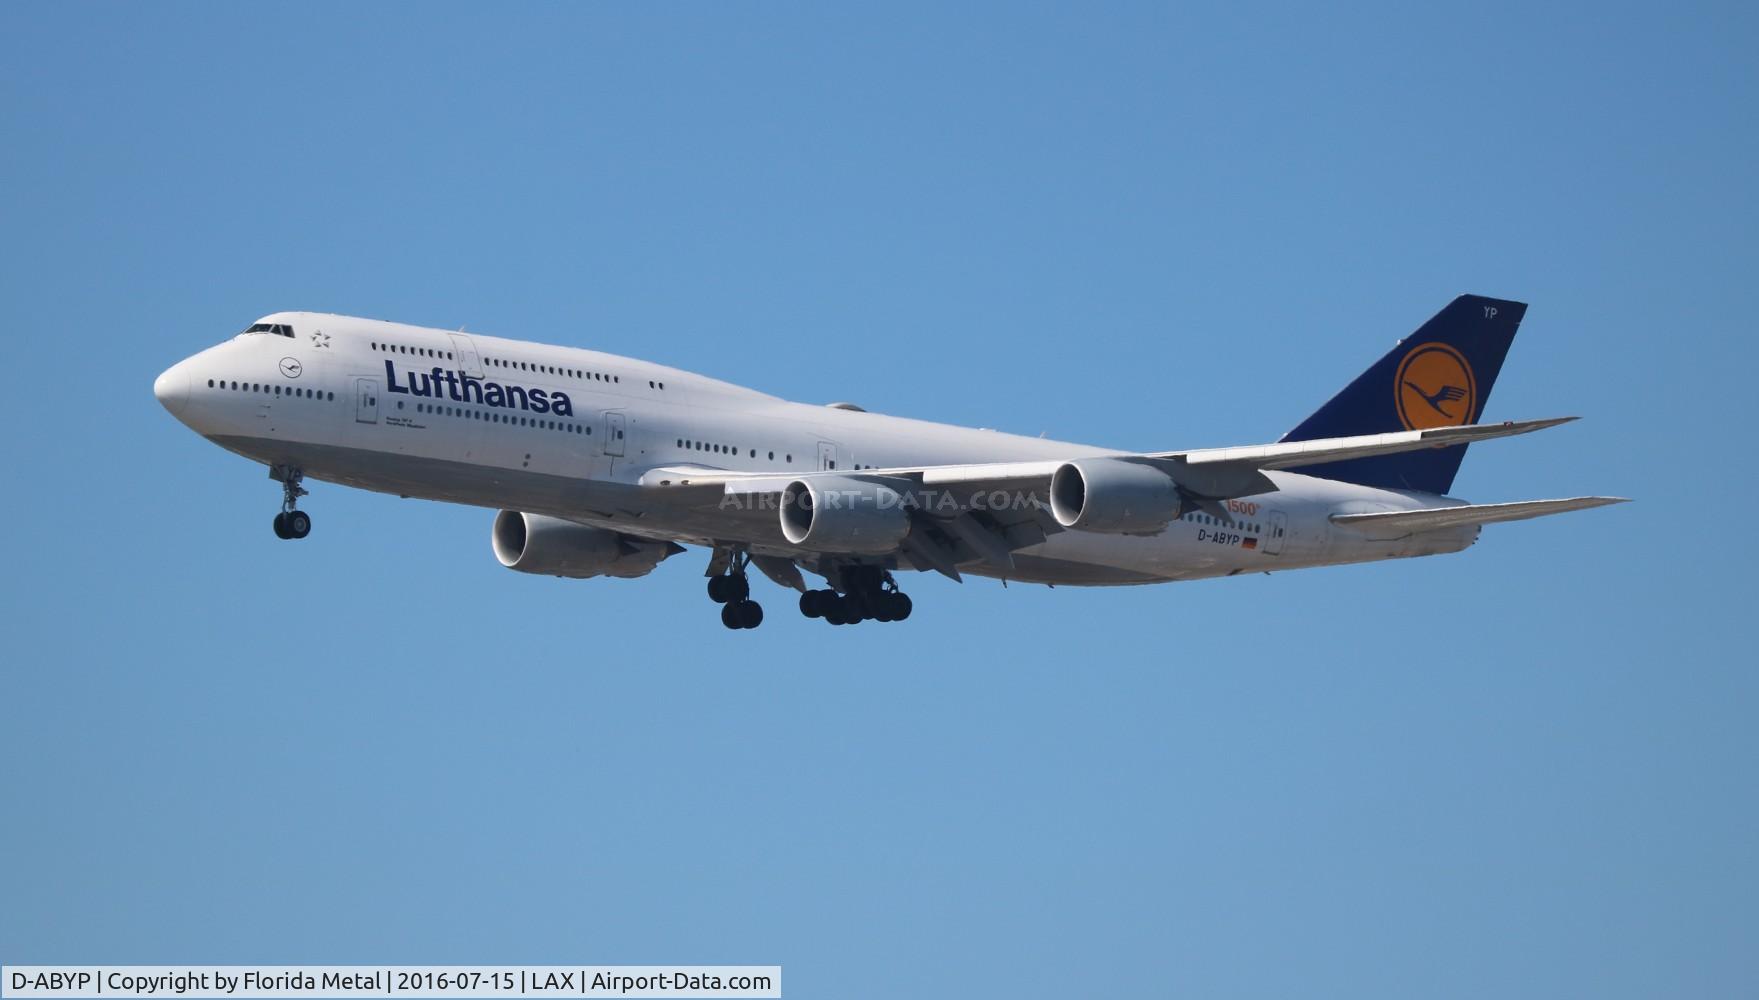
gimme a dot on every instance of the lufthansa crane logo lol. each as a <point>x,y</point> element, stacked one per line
<point>291,367</point>
<point>1435,388</point>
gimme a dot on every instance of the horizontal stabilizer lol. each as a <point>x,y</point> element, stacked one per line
<point>1403,522</point>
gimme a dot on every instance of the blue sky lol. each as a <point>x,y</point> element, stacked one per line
<point>1526,770</point>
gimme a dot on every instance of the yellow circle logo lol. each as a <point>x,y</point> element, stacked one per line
<point>1435,388</point>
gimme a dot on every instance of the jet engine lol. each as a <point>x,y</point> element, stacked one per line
<point>533,543</point>
<point>838,514</point>
<point>1113,496</point>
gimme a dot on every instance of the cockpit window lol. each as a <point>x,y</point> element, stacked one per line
<point>279,329</point>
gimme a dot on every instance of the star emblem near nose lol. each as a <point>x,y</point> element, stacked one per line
<point>320,339</point>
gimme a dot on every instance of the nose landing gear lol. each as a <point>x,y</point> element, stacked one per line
<point>291,522</point>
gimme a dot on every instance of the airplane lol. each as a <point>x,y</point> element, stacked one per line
<point>599,465</point>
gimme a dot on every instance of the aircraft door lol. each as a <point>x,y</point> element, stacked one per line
<point>827,456</point>
<point>465,351</point>
<point>366,400</point>
<point>615,427</point>
<point>1279,526</point>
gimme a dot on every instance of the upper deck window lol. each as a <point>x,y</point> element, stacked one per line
<point>279,329</point>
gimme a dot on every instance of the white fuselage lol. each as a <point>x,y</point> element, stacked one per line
<point>569,433</point>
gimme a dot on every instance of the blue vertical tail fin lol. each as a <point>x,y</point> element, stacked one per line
<point>1440,376</point>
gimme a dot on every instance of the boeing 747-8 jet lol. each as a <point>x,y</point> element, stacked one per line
<point>603,466</point>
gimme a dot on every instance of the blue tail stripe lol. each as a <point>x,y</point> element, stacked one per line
<point>1439,376</point>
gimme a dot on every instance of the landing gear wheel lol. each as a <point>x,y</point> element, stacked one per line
<point>281,526</point>
<point>897,605</point>
<point>741,614</point>
<point>298,523</point>
<point>720,589</point>
<point>811,604</point>
<point>730,587</point>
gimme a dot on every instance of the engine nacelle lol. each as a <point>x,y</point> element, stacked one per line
<point>836,514</point>
<point>533,543</point>
<point>1113,496</point>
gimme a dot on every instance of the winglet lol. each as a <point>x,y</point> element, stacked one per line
<point>1445,436</point>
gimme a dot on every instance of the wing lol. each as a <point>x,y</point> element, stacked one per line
<point>1393,524</point>
<point>952,523</point>
<point>1228,472</point>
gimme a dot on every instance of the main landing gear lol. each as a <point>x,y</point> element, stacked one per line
<point>860,593</point>
<point>291,522</point>
<point>869,593</point>
<point>732,591</point>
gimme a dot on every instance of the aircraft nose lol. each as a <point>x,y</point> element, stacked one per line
<point>171,388</point>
